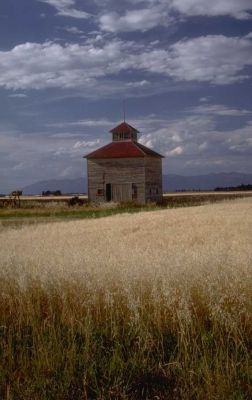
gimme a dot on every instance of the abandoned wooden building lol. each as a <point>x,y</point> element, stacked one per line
<point>124,170</point>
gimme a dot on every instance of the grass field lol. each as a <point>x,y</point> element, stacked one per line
<point>34,209</point>
<point>153,305</point>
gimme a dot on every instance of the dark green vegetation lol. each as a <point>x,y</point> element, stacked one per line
<point>239,188</point>
<point>65,342</point>
<point>56,211</point>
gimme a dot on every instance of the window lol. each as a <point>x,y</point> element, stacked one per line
<point>100,192</point>
<point>122,136</point>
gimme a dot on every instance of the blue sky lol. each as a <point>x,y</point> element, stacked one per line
<point>182,66</point>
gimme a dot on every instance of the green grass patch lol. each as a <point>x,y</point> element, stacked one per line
<point>79,213</point>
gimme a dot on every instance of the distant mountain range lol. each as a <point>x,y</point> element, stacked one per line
<point>78,185</point>
<point>171,183</point>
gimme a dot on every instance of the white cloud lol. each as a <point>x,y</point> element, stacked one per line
<point>73,30</point>
<point>204,99</point>
<point>133,20</point>
<point>195,141</point>
<point>18,95</point>
<point>67,172</point>
<point>85,122</point>
<point>180,136</point>
<point>38,66</point>
<point>31,157</point>
<point>175,152</point>
<point>138,83</point>
<point>86,144</point>
<point>240,9</point>
<point>151,13</point>
<point>191,143</point>
<point>219,110</point>
<point>65,8</point>
<point>216,59</point>
<point>240,140</point>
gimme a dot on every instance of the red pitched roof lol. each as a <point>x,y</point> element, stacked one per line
<point>124,128</point>
<point>123,150</point>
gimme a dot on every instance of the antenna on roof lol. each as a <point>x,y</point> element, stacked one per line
<point>124,110</point>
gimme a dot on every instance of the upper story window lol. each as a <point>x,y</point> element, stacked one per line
<point>124,136</point>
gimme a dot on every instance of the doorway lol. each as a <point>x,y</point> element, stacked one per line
<point>108,192</point>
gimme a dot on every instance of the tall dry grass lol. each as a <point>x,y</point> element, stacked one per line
<point>154,305</point>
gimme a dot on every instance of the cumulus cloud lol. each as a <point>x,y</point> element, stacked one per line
<point>148,14</point>
<point>65,8</point>
<point>47,65</point>
<point>133,20</point>
<point>180,136</point>
<point>27,158</point>
<point>194,140</point>
<point>190,143</point>
<point>174,152</point>
<point>240,9</point>
<point>215,58</point>
<point>240,140</point>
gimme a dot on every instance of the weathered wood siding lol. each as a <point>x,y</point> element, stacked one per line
<point>115,171</point>
<point>153,179</point>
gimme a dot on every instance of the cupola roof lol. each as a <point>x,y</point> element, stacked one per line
<point>124,127</point>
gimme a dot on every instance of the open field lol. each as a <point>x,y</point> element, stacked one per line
<point>65,198</point>
<point>37,208</point>
<point>153,305</point>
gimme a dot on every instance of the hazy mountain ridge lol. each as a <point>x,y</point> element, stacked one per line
<point>78,185</point>
<point>171,183</point>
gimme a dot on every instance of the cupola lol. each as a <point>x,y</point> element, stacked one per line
<point>124,132</point>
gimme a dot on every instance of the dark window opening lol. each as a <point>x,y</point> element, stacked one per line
<point>100,192</point>
<point>134,191</point>
<point>108,192</point>
<point>123,136</point>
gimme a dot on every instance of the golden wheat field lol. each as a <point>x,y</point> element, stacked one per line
<point>192,245</point>
<point>153,305</point>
